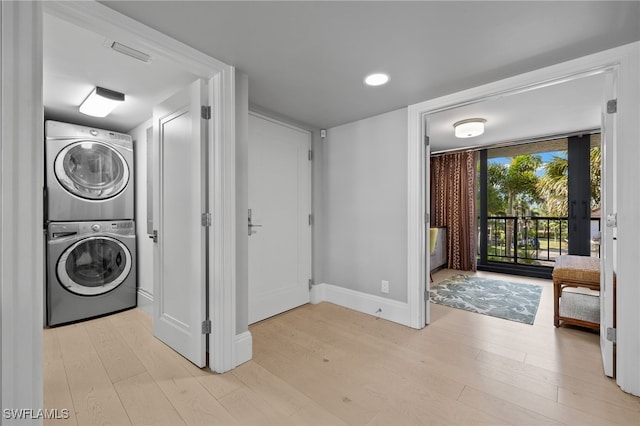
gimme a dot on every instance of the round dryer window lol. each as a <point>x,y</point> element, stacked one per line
<point>92,170</point>
<point>94,265</point>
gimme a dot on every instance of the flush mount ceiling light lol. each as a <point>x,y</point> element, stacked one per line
<point>377,79</point>
<point>469,128</point>
<point>101,102</point>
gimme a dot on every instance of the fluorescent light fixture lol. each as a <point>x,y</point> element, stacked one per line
<point>469,128</point>
<point>101,102</point>
<point>377,79</point>
<point>130,51</point>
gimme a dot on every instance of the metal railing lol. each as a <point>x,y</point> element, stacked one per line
<point>535,240</point>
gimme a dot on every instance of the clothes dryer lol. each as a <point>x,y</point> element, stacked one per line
<point>89,173</point>
<point>91,269</point>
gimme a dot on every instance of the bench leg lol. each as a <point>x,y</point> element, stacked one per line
<point>556,303</point>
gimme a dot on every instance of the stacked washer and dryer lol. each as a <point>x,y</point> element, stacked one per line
<point>91,243</point>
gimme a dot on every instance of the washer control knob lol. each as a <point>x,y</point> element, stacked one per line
<point>95,227</point>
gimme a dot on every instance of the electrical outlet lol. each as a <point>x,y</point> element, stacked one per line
<point>385,287</point>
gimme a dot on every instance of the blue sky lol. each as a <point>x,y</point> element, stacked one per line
<point>546,157</point>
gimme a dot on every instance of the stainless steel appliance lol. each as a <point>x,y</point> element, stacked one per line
<point>91,269</point>
<point>89,173</point>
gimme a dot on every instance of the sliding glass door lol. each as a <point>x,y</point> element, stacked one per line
<point>538,201</point>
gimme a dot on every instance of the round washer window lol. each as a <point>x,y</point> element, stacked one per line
<point>94,265</point>
<point>91,170</point>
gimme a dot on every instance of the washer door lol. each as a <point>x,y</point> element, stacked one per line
<point>91,170</point>
<point>94,266</point>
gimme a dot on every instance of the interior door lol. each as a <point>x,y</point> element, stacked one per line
<point>608,228</point>
<point>180,199</point>
<point>279,222</point>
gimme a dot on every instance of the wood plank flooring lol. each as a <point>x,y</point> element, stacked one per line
<point>327,365</point>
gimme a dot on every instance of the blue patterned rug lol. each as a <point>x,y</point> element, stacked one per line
<point>502,299</point>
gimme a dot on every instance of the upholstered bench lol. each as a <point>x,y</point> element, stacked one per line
<point>577,307</point>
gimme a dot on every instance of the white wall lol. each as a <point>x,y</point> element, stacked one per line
<point>361,206</point>
<point>144,245</point>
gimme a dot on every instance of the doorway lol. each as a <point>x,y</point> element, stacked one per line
<point>537,201</point>
<point>94,17</point>
<point>421,123</point>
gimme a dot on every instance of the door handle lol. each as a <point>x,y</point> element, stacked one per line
<point>251,231</point>
<point>251,225</point>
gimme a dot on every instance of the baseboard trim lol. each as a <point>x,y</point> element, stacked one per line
<point>244,348</point>
<point>391,310</point>
<point>144,293</point>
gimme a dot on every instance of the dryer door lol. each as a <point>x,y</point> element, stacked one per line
<point>91,170</point>
<point>94,265</point>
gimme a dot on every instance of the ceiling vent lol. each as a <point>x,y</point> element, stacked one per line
<point>130,51</point>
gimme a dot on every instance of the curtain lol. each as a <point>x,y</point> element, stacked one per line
<point>453,205</point>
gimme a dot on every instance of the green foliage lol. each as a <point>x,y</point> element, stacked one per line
<point>513,184</point>
<point>553,186</point>
<point>595,157</point>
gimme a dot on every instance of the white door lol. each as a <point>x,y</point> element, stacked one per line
<point>280,205</point>
<point>179,302</point>
<point>608,228</point>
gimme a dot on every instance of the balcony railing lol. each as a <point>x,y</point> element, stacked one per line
<point>532,240</point>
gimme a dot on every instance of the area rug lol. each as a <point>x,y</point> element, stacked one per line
<point>496,298</point>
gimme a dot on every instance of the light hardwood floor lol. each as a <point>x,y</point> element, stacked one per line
<point>324,364</point>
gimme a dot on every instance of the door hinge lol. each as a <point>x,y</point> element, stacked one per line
<point>206,219</point>
<point>427,217</point>
<point>426,140</point>
<point>310,219</point>
<point>205,112</point>
<point>154,236</point>
<point>612,106</point>
<point>426,294</point>
<point>310,155</point>
<point>310,283</point>
<point>206,327</point>
<point>611,334</point>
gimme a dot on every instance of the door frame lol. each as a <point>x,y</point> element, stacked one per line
<point>21,76</point>
<point>625,60</point>
<point>21,205</point>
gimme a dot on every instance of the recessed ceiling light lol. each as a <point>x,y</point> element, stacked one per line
<point>469,128</point>
<point>377,79</point>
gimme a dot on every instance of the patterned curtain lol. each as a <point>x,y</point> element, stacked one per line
<point>453,205</point>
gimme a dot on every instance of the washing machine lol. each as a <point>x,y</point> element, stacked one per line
<point>89,173</point>
<point>91,269</point>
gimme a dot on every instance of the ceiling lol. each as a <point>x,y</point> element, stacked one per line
<point>76,59</point>
<point>566,107</point>
<point>306,60</point>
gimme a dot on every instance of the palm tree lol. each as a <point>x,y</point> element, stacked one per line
<point>516,181</point>
<point>553,185</point>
